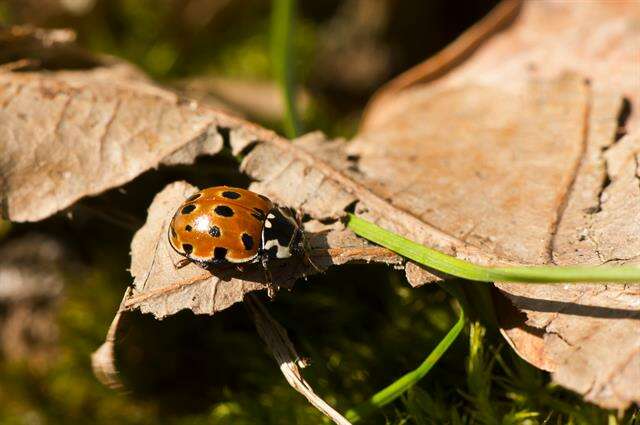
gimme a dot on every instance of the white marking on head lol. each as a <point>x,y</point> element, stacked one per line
<point>267,224</point>
<point>202,223</point>
<point>271,216</point>
<point>283,251</point>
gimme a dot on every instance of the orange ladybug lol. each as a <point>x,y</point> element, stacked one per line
<point>227,225</point>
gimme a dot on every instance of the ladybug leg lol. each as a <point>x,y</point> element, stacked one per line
<point>305,252</point>
<point>271,286</point>
<point>182,263</point>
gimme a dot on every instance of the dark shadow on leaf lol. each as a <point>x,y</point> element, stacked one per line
<point>535,304</point>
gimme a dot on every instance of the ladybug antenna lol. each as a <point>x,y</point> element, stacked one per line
<point>307,249</point>
<point>314,265</point>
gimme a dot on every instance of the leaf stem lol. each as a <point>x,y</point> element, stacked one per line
<point>464,269</point>
<point>282,20</point>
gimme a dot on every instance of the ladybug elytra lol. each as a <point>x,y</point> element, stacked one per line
<point>226,225</point>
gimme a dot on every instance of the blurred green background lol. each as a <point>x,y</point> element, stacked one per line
<point>362,326</point>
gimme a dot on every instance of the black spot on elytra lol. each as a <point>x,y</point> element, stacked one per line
<point>224,211</point>
<point>187,247</point>
<point>193,197</point>
<point>247,241</point>
<point>220,253</point>
<point>173,232</point>
<point>188,228</point>
<point>188,209</point>
<point>214,231</point>
<point>229,194</point>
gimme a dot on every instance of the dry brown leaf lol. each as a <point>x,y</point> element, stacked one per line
<point>486,165</point>
<point>493,186</point>
<point>73,133</point>
<point>591,334</point>
<point>317,177</point>
<point>515,156</point>
<point>493,172</point>
<point>598,40</point>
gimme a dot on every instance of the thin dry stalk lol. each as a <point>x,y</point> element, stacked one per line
<point>275,336</point>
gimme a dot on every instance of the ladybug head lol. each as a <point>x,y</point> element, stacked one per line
<point>282,234</point>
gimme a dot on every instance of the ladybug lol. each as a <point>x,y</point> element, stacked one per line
<point>225,225</point>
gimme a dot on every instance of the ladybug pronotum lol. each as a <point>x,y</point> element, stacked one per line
<point>226,225</point>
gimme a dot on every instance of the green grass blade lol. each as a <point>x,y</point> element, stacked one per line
<point>282,20</point>
<point>466,270</point>
<point>397,388</point>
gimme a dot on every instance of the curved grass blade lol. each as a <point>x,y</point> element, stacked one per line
<point>466,270</point>
<point>397,388</point>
